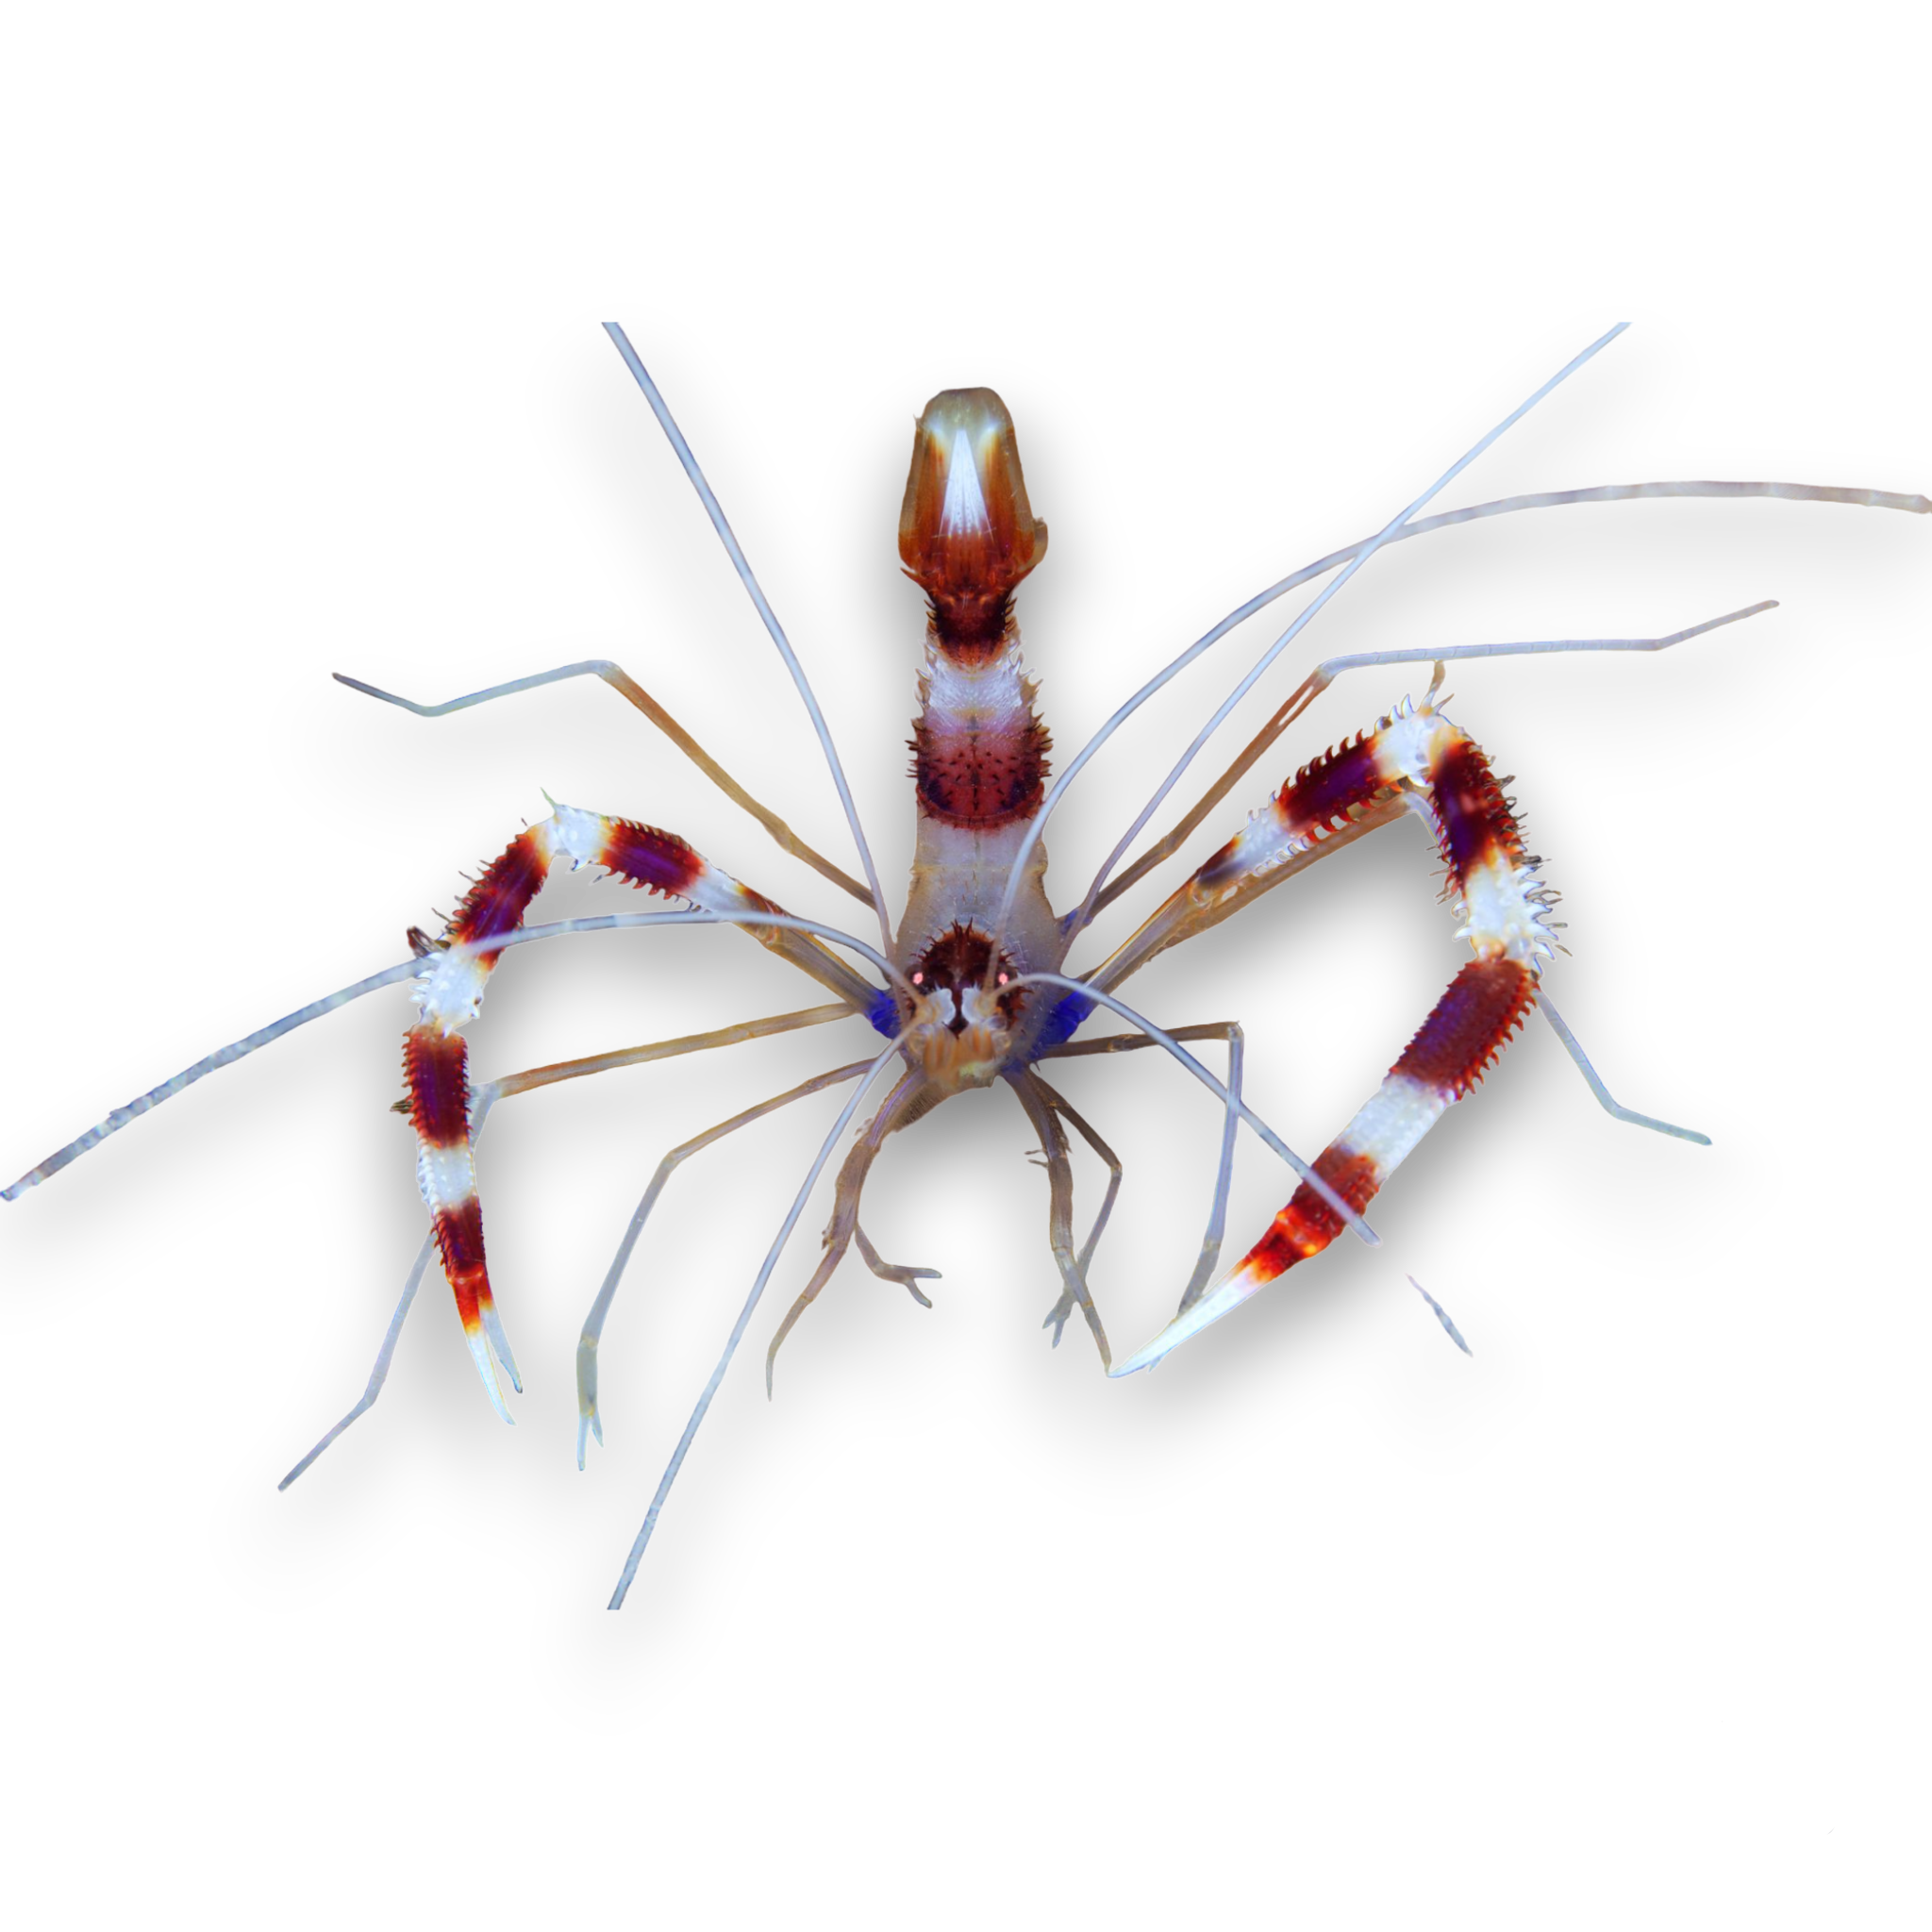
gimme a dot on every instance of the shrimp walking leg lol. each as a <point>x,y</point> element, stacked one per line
<point>642,1539</point>
<point>1105,1153</point>
<point>628,688</point>
<point>590,1419</point>
<point>1059,1220</point>
<point>908,1278</point>
<point>901,1107</point>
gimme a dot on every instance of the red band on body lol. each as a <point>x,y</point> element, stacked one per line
<point>984,779</point>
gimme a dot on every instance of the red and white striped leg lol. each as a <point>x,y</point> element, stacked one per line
<point>1471,1023</point>
<point>528,1082</point>
<point>1419,755</point>
<point>436,1069</point>
<point>448,993</point>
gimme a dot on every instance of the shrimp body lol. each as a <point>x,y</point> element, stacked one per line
<point>1529,1214</point>
<point>968,536</point>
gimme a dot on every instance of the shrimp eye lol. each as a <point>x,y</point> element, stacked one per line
<point>918,980</point>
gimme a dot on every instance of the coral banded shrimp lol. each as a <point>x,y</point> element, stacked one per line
<point>932,1445</point>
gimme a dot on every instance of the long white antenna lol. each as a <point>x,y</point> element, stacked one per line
<point>390,976</point>
<point>716,513</point>
<point>1358,557</point>
<point>743,1322</point>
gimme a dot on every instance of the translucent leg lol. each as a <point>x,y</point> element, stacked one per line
<point>1358,557</point>
<point>524,1083</point>
<point>1168,1045</point>
<point>528,1081</point>
<point>1216,1233</point>
<point>642,1541</point>
<point>908,1278</point>
<point>1184,915</point>
<point>1324,673</point>
<point>590,1420</point>
<point>628,688</point>
<point>1133,1043</point>
<point>1060,1219</point>
<point>1574,1050</point>
<point>1062,1106</point>
<point>844,1222</point>
<point>379,1374</point>
<point>1259,888</point>
<point>851,1178</point>
<point>1223,1176</point>
<point>859,997</point>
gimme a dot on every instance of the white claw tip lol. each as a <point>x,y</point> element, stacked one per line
<point>479,1350</point>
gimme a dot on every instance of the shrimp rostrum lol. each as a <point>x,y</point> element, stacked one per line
<point>974,986</point>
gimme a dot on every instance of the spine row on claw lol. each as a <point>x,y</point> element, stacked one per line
<point>1465,1031</point>
<point>434,1064</point>
<point>448,993</point>
<point>1499,907</point>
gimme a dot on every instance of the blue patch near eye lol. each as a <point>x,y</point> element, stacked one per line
<point>1065,1019</point>
<point>884,1013</point>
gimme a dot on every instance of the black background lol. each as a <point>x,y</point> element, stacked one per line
<point>223,833</point>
